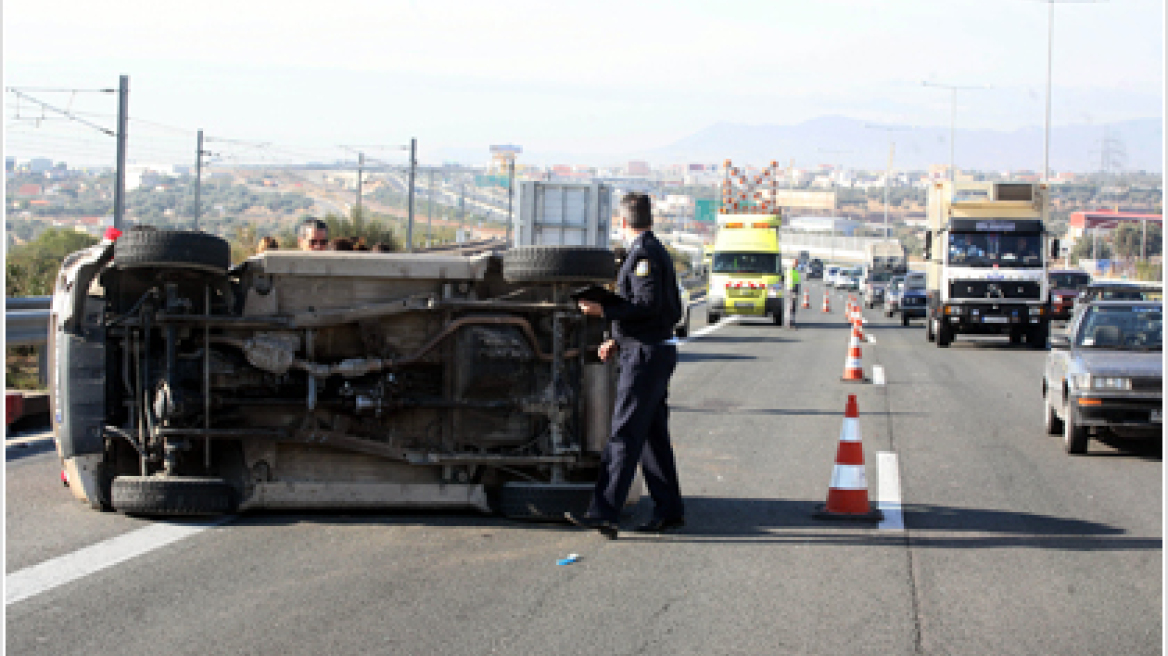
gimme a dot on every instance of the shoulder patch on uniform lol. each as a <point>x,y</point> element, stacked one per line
<point>642,269</point>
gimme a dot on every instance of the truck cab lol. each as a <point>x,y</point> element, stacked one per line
<point>746,270</point>
<point>987,255</point>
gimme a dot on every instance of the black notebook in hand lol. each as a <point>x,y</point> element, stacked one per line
<point>596,294</point>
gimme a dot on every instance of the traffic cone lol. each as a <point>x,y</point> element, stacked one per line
<point>806,299</point>
<point>826,302</point>
<point>853,370</point>
<point>847,494</point>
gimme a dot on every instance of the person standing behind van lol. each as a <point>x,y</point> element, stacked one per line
<point>793,280</point>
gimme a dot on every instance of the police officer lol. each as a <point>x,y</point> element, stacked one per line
<point>642,328</point>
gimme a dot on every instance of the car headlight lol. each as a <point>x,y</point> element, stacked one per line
<point>1080,381</point>
<point>1102,383</point>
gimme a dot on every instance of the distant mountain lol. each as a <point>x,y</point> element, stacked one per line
<point>839,140</point>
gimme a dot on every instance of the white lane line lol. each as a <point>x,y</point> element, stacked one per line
<point>888,493</point>
<point>871,338</point>
<point>50,574</point>
<point>725,321</point>
<point>877,375</point>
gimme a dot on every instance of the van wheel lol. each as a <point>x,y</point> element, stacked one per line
<point>682,331</point>
<point>558,264</point>
<point>172,249</point>
<point>929,334</point>
<point>904,319</point>
<point>777,317</point>
<point>542,501</point>
<point>153,495</point>
<point>713,318</point>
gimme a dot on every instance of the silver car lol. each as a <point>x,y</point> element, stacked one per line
<point>1105,374</point>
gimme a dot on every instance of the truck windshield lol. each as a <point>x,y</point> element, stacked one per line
<point>767,263</point>
<point>1004,249</point>
<point>879,276</point>
<point>915,282</point>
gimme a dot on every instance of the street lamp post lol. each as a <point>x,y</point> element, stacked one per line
<point>888,170</point>
<point>1049,66</point>
<point>954,88</point>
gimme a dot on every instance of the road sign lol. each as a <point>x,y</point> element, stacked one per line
<point>706,209</point>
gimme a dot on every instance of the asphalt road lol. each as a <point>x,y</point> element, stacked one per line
<point>1009,546</point>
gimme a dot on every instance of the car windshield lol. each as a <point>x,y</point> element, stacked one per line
<point>1122,327</point>
<point>879,276</point>
<point>916,282</point>
<point>1004,249</point>
<point>1069,280</point>
<point>747,263</point>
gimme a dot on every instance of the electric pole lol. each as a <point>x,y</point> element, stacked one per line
<point>413,170</point>
<point>120,175</point>
<point>510,196</point>
<point>430,212</point>
<point>199,154</point>
<point>360,175</point>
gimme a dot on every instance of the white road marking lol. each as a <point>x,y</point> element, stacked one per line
<point>34,580</point>
<point>888,493</point>
<point>725,321</point>
<point>871,338</point>
<point>877,375</point>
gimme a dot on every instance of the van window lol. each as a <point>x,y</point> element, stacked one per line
<point>766,263</point>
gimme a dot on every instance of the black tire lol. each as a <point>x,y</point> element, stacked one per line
<point>1038,336</point>
<point>944,335</point>
<point>929,334</point>
<point>182,249</point>
<point>777,317</point>
<point>713,318</point>
<point>559,264</point>
<point>682,331</point>
<point>152,495</point>
<point>1053,424</point>
<point>888,313</point>
<point>542,502</point>
<point>1015,337</point>
<point>1074,436</point>
<point>904,319</point>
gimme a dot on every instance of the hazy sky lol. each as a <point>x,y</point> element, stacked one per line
<point>580,77</point>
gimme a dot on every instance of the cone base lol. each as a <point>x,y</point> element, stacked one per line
<point>873,514</point>
<point>853,380</point>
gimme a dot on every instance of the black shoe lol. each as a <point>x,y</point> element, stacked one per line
<point>661,525</point>
<point>603,526</point>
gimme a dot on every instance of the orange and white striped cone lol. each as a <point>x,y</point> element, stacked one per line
<point>826,302</point>
<point>853,369</point>
<point>847,494</point>
<point>806,299</point>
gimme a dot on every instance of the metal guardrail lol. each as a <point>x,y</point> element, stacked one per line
<point>26,320</point>
<point>27,303</point>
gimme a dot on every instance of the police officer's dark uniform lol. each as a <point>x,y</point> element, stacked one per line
<point>643,323</point>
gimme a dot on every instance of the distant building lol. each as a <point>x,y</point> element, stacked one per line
<point>637,168</point>
<point>1105,221</point>
<point>9,164</point>
<point>830,224</point>
<point>40,165</point>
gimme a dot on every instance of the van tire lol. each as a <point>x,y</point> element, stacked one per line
<point>712,318</point>
<point>172,249</point>
<point>154,495</point>
<point>558,264</point>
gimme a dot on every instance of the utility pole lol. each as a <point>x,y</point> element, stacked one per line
<point>199,154</point>
<point>510,196</point>
<point>888,170</point>
<point>360,175</point>
<point>953,117</point>
<point>430,212</point>
<point>120,175</point>
<point>413,170</point>
<point>1049,68</point>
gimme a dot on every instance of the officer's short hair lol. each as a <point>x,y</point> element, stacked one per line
<point>640,210</point>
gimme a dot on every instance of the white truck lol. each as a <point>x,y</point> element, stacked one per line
<point>987,253</point>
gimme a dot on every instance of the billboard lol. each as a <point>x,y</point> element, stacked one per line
<point>706,209</point>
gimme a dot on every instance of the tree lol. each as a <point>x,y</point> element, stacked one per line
<point>359,227</point>
<point>31,269</point>
<point>1129,235</point>
<point>1085,247</point>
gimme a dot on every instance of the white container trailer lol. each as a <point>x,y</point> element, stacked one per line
<point>563,214</point>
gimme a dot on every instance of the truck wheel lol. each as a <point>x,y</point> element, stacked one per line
<point>152,495</point>
<point>904,319</point>
<point>182,249</point>
<point>542,501</point>
<point>777,317</point>
<point>713,318</point>
<point>1074,436</point>
<point>1053,424</point>
<point>944,335</point>
<point>888,313</point>
<point>1038,336</point>
<point>559,264</point>
<point>929,334</point>
<point>682,331</point>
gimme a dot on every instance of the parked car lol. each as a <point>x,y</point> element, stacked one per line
<point>1105,374</point>
<point>1065,285</point>
<point>815,270</point>
<point>830,274</point>
<point>892,295</point>
<point>911,303</point>
<point>849,279</point>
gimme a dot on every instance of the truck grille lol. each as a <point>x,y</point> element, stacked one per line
<point>1147,384</point>
<point>1028,289</point>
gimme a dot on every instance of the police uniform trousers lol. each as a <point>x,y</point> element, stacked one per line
<point>640,433</point>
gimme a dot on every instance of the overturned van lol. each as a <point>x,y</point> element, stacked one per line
<point>181,385</point>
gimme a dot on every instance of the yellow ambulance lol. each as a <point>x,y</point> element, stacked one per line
<point>746,270</point>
